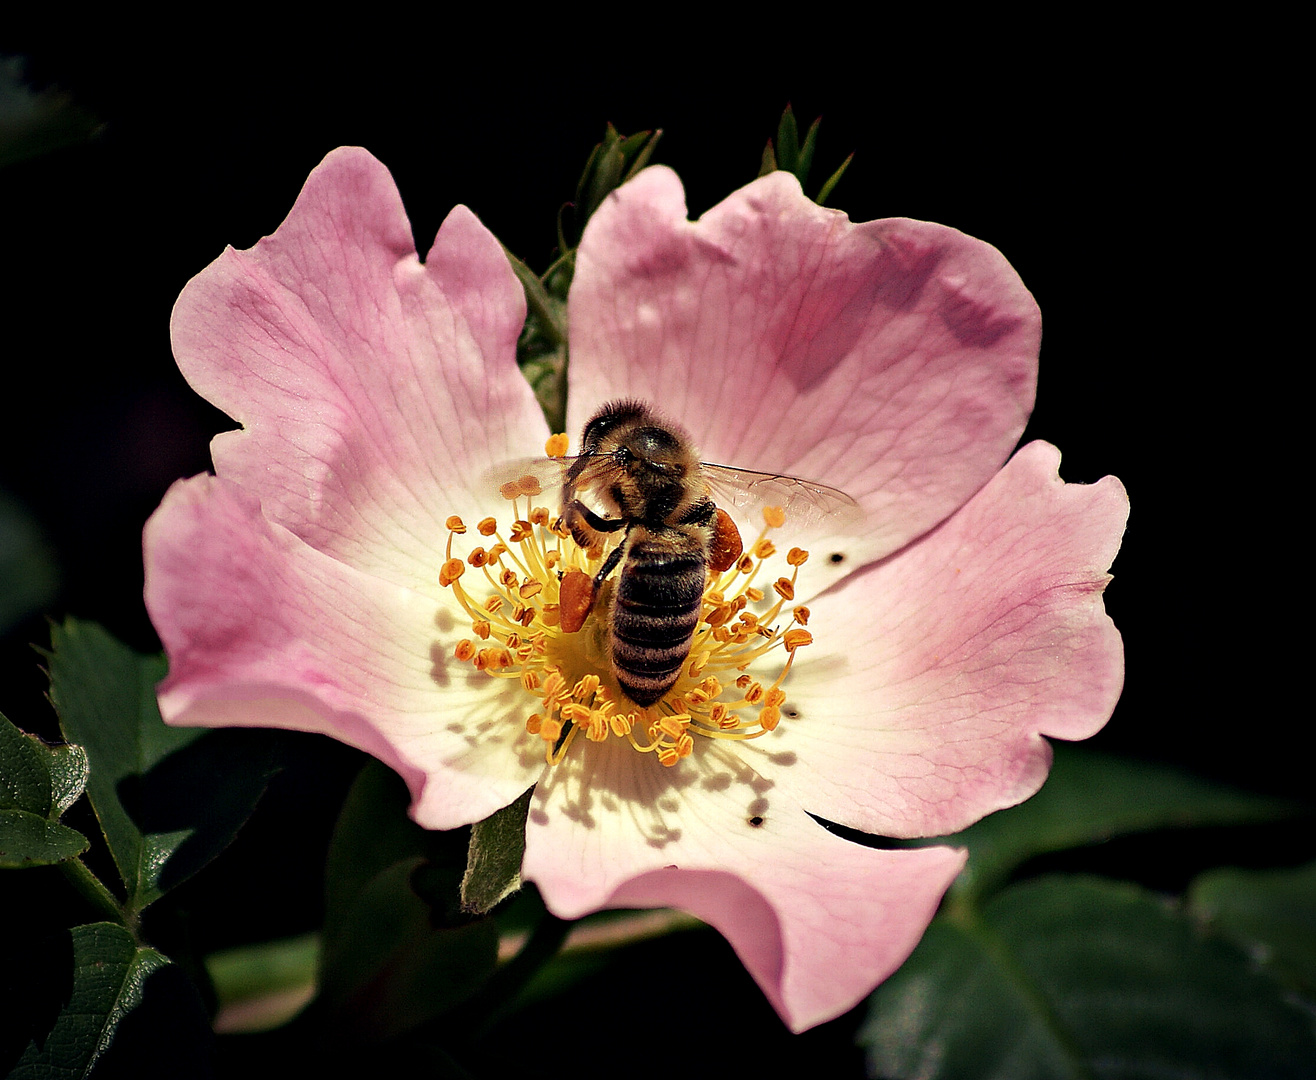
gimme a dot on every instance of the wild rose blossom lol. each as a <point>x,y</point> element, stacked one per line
<point>961,621</point>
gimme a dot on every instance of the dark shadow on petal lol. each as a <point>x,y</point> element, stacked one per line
<point>872,840</point>
<point>975,323</point>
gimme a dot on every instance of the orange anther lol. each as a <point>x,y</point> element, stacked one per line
<point>794,639</point>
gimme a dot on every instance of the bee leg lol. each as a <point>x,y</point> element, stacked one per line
<point>725,545</point>
<point>578,591</point>
<point>609,565</point>
<point>581,520</point>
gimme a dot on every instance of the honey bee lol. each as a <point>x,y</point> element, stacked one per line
<point>644,473</point>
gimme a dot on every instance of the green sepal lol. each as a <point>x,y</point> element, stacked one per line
<point>804,156</point>
<point>825,191</point>
<point>539,304</point>
<point>788,145</point>
<point>1271,914</point>
<point>541,349</point>
<point>168,800</point>
<point>602,175</point>
<point>1081,977</point>
<point>792,156</point>
<point>493,861</point>
<point>90,998</point>
<point>610,164</point>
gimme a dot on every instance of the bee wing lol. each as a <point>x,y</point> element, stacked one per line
<point>528,476</point>
<point>806,503</point>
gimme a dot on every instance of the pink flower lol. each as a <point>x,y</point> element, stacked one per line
<point>299,587</point>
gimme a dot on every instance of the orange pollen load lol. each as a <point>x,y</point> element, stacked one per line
<point>534,616</point>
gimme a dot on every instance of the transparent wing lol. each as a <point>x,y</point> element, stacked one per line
<point>806,503</point>
<point>546,471</point>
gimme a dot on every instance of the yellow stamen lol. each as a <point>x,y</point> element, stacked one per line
<point>794,639</point>
<point>516,605</point>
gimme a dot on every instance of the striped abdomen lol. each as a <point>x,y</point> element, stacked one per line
<point>655,610</point>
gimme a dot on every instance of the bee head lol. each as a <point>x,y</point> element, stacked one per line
<point>654,450</point>
<point>608,420</point>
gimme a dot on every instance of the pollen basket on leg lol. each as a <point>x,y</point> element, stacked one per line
<point>539,612</point>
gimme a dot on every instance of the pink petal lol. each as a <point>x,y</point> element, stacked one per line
<point>934,674</point>
<point>373,391</point>
<point>817,921</point>
<point>262,630</point>
<point>893,359</point>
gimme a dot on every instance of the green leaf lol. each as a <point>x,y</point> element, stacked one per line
<point>70,770</point>
<point>32,840</point>
<point>1090,797</point>
<point>593,943</point>
<point>266,984</point>
<point>1269,913</point>
<point>388,968</point>
<point>24,777</point>
<point>92,998</point>
<point>493,865</point>
<point>1079,977</point>
<point>373,832</point>
<point>397,950</point>
<point>37,784</point>
<point>168,799</point>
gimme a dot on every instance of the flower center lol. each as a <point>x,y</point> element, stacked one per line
<point>520,620</point>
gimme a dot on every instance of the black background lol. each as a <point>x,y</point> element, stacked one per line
<point>1109,168</point>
